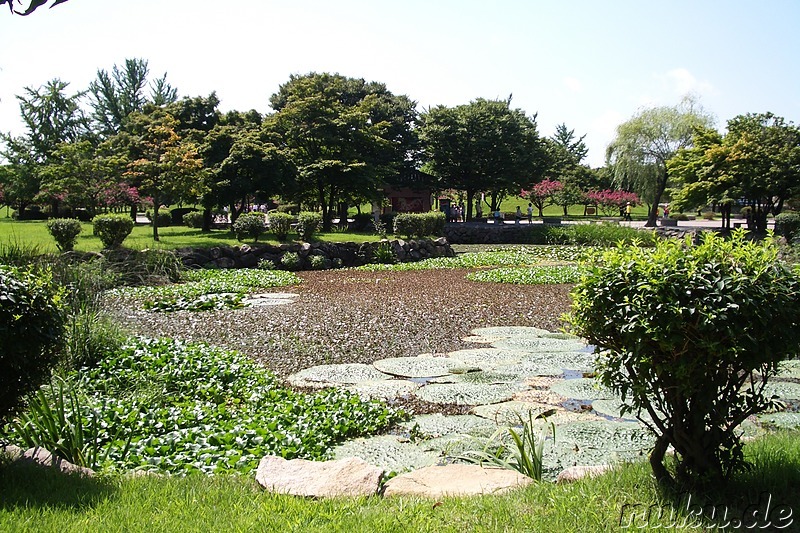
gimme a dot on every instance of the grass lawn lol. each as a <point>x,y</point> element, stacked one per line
<point>33,233</point>
<point>41,500</point>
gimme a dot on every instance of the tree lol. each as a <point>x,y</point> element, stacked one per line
<point>483,146</point>
<point>35,4</point>
<point>758,161</point>
<point>119,94</point>
<point>542,193</point>
<point>164,167</point>
<point>346,137</point>
<point>689,335</point>
<point>644,144</point>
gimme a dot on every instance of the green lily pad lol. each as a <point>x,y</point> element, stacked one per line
<point>452,445</point>
<point>331,375</point>
<point>613,409</point>
<point>388,452</point>
<point>789,369</point>
<point>417,367</point>
<point>583,389</point>
<point>540,344</point>
<point>386,389</point>
<point>467,393</point>
<point>509,413</point>
<point>531,368</point>
<point>488,358</point>
<point>510,331</point>
<point>437,425</point>
<point>783,390</point>
<point>480,377</point>
<point>780,420</point>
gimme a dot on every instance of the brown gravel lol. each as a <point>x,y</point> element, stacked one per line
<point>346,316</point>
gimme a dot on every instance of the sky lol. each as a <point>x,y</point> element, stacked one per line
<point>589,64</point>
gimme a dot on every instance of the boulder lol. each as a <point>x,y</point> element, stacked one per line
<point>574,473</point>
<point>299,477</point>
<point>455,480</point>
<point>42,457</point>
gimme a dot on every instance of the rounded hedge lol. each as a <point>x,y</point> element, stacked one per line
<point>32,322</point>
<point>250,225</point>
<point>112,229</point>
<point>280,224</point>
<point>65,231</point>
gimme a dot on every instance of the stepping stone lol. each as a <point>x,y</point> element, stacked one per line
<point>455,480</point>
<point>318,479</point>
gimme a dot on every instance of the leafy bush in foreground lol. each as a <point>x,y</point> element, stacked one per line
<point>690,334</point>
<point>175,407</point>
<point>32,321</point>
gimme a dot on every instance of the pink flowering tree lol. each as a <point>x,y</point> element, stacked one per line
<point>612,202</point>
<point>541,194</point>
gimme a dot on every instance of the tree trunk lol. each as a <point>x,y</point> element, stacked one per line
<point>660,187</point>
<point>208,216</point>
<point>155,218</point>
<point>470,197</point>
<point>657,461</point>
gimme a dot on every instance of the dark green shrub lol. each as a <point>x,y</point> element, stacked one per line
<point>65,231</point>
<point>419,224</point>
<point>362,222</point>
<point>788,225</point>
<point>689,335</point>
<point>280,224</point>
<point>291,261</point>
<point>291,209</point>
<point>679,216</point>
<point>32,319</point>
<point>164,219</point>
<point>176,215</point>
<point>193,219</point>
<point>250,226</point>
<point>387,219</point>
<point>605,234</point>
<point>307,224</point>
<point>112,229</point>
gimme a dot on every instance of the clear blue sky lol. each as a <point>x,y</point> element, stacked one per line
<point>590,64</point>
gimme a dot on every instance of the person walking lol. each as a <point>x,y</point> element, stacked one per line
<point>628,212</point>
<point>517,215</point>
<point>530,212</point>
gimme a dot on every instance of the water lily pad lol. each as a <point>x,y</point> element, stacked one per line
<point>328,375</point>
<point>452,445</point>
<point>531,368</point>
<point>540,344</point>
<point>386,389</point>
<point>417,367</point>
<point>479,377</point>
<point>613,408</point>
<point>783,390</point>
<point>388,452</point>
<point>509,413</point>
<point>780,420</point>
<point>789,369</point>
<point>583,389</point>
<point>488,358</point>
<point>509,331</point>
<point>467,393</point>
<point>269,299</point>
<point>436,425</point>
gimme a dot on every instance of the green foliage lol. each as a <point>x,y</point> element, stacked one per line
<point>211,289</point>
<point>319,262</point>
<point>539,275</point>
<point>164,219</point>
<point>679,216</point>
<point>65,231</point>
<point>291,261</point>
<point>308,223</point>
<point>289,209</point>
<point>250,226</point>
<point>384,254</point>
<point>525,453</point>
<point>112,229</point>
<point>362,221</point>
<point>690,334</point>
<point>32,319</point>
<point>173,407</point>
<point>280,224</point>
<point>419,224</point>
<point>788,225</point>
<point>193,219</point>
<point>605,234</point>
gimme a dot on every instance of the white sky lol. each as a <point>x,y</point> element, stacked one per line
<point>590,64</point>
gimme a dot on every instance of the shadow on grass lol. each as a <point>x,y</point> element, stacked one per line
<point>25,485</point>
<point>763,497</point>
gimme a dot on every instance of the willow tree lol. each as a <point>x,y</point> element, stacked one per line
<point>638,155</point>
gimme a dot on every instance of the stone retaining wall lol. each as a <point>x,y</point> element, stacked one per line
<point>346,254</point>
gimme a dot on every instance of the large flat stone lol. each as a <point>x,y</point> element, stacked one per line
<point>344,477</point>
<point>455,480</point>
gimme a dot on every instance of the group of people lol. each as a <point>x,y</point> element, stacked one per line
<point>455,213</point>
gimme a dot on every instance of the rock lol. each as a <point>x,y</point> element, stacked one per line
<point>11,451</point>
<point>299,477</point>
<point>455,480</point>
<point>574,473</point>
<point>42,457</point>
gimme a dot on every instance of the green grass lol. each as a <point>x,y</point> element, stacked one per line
<point>41,500</point>
<point>34,233</point>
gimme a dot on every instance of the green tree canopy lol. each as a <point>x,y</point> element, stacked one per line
<point>643,145</point>
<point>483,146</point>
